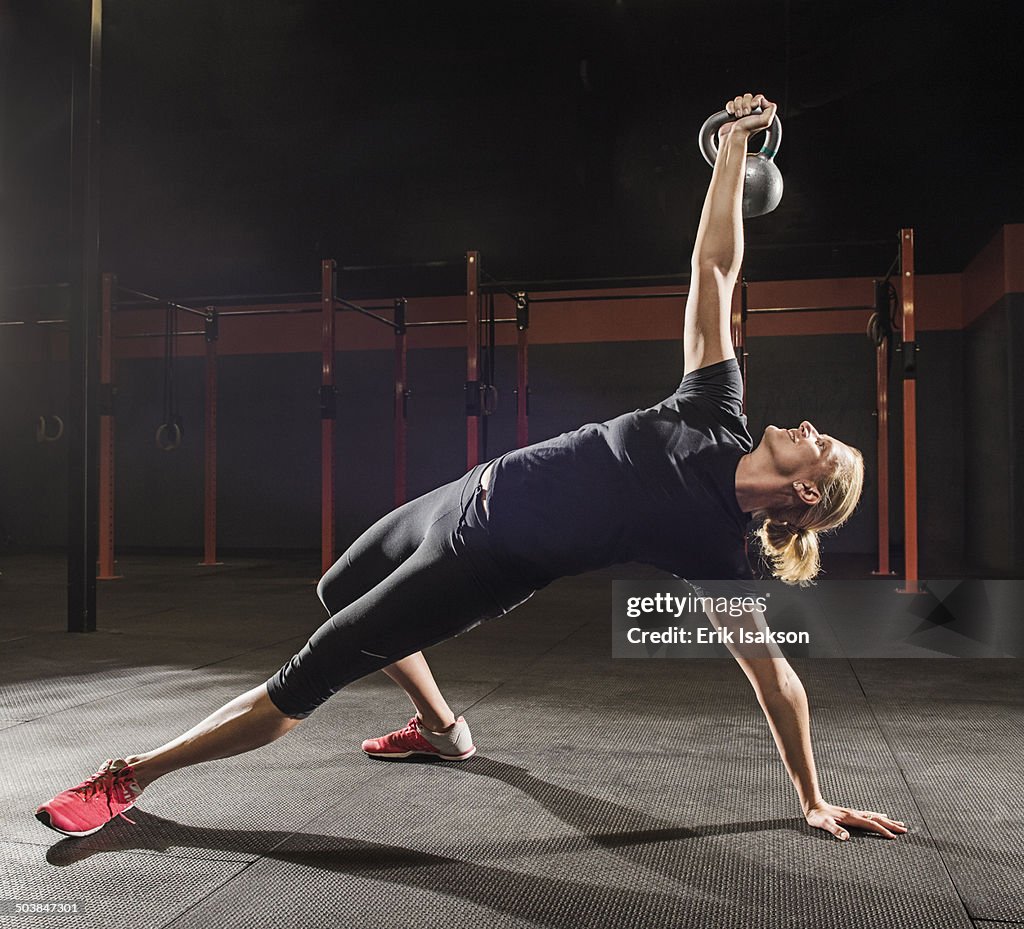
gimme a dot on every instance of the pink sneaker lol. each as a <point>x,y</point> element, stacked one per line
<point>87,808</point>
<point>454,745</point>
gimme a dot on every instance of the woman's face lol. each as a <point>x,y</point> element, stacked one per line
<point>801,451</point>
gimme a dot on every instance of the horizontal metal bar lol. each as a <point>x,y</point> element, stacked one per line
<point>14,287</point>
<point>605,297</point>
<point>436,322</point>
<point>805,309</point>
<point>852,243</point>
<point>583,282</point>
<point>29,322</point>
<point>402,267</point>
<point>457,322</point>
<point>289,311</point>
<point>162,335</point>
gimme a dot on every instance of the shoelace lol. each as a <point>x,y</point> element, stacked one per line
<point>108,781</point>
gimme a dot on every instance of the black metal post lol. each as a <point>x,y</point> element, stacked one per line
<point>83,418</point>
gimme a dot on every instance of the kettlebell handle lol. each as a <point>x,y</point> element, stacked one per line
<point>708,138</point>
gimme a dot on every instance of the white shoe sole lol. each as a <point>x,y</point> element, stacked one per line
<point>437,755</point>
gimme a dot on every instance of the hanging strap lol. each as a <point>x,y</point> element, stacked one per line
<point>170,432</point>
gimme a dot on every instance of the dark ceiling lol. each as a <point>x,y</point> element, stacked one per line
<point>245,141</point>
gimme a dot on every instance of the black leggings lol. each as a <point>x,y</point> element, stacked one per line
<point>424,573</point>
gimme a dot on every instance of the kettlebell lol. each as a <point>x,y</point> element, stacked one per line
<point>762,180</point>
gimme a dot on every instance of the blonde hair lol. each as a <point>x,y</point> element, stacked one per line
<point>789,537</point>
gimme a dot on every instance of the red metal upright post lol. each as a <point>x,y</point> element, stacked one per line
<point>909,410</point>
<point>738,325</point>
<point>522,370</point>
<point>210,443</point>
<point>881,331</point>
<point>401,403</point>
<point>473,393</point>
<point>107,565</point>
<point>882,400</point>
<point>328,412</point>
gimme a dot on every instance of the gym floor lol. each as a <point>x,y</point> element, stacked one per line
<point>604,793</point>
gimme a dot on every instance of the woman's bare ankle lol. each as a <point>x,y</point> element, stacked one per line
<point>145,771</point>
<point>436,723</point>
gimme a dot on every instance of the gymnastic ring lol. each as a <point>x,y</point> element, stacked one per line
<point>490,399</point>
<point>875,330</point>
<point>168,436</point>
<point>43,433</point>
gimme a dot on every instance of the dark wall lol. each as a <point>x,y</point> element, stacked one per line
<point>269,434</point>
<point>994,416</point>
<point>940,452</point>
<point>1015,347</point>
<point>986,440</point>
<point>33,475</point>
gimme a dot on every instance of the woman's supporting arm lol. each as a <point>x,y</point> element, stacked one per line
<point>784,702</point>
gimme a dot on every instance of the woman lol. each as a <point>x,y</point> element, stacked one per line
<point>673,486</point>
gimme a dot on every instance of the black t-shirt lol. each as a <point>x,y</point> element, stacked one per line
<point>655,486</point>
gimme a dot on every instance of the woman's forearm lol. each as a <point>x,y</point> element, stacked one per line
<point>719,241</point>
<point>789,719</point>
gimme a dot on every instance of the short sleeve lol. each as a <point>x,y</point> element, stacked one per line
<point>720,383</point>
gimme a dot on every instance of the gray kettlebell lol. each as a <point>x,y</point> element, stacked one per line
<point>762,180</point>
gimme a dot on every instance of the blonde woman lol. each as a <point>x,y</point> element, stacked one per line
<point>674,486</point>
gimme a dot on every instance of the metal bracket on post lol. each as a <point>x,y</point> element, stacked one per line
<point>909,351</point>
<point>212,325</point>
<point>522,311</point>
<point>328,401</point>
<point>474,398</point>
<point>525,393</point>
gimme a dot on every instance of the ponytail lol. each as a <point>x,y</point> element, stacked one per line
<point>792,552</point>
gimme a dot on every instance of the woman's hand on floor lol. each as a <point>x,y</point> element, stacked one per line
<point>833,818</point>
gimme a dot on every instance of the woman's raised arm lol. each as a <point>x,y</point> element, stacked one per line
<point>718,249</point>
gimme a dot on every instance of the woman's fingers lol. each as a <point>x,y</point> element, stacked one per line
<point>839,819</point>
<point>742,107</point>
<point>838,831</point>
<point>875,822</point>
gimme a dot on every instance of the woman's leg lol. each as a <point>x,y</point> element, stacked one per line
<point>249,721</point>
<point>414,676</point>
<point>371,558</point>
